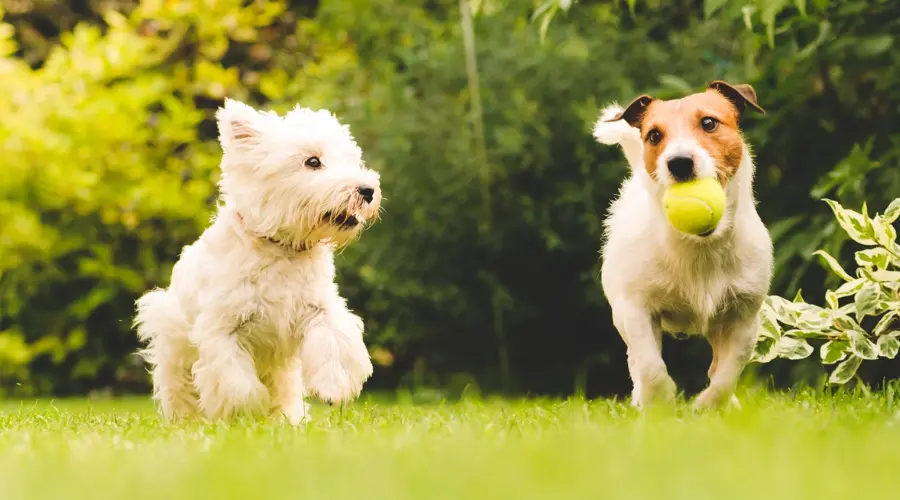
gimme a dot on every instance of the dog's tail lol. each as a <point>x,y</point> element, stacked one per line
<point>158,316</point>
<point>610,131</point>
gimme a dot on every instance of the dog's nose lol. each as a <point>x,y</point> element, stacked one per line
<point>681,168</point>
<point>368,193</point>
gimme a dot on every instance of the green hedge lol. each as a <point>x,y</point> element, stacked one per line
<point>481,272</point>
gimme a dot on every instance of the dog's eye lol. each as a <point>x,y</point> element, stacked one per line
<point>313,162</point>
<point>654,136</point>
<point>709,124</point>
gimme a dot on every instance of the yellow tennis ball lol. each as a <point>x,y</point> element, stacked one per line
<point>695,206</point>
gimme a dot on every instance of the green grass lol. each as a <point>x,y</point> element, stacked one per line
<point>778,447</point>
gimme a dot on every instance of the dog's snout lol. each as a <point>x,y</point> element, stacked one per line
<point>681,168</point>
<point>367,192</point>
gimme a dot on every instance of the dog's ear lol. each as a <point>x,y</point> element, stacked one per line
<point>238,126</point>
<point>740,95</point>
<point>634,113</point>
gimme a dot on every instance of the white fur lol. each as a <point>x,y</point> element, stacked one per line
<point>249,323</point>
<point>704,165</point>
<point>659,279</point>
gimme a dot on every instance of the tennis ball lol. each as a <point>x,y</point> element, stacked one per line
<point>695,206</point>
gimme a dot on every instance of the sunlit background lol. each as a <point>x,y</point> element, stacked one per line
<point>483,273</point>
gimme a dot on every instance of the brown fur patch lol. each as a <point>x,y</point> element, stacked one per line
<point>680,119</point>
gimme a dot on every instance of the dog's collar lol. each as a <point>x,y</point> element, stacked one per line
<point>287,246</point>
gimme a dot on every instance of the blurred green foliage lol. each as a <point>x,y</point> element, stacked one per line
<point>483,272</point>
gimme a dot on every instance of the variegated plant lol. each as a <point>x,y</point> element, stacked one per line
<point>786,326</point>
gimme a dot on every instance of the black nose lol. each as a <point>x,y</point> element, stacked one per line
<point>681,168</point>
<point>366,192</point>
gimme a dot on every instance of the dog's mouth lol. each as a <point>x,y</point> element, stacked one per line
<point>342,220</point>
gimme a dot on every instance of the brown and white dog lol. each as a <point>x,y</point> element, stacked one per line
<point>659,279</point>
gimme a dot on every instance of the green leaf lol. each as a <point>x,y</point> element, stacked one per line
<point>676,83</point>
<point>799,314</point>
<point>813,319</point>
<point>833,351</point>
<point>844,321</point>
<point>870,47</point>
<point>892,212</point>
<point>884,232</point>
<point>866,301</point>
<point>845,371</point>
<point>861,346</point>
<point>747,12</point>
<point>115,19</point>
<point>831,299</point>
<point>785,311</point>
<point>769,11</point>
<point>852,223</point>
<point>711,6</point>
<point>833,264</point>
<point>793,348</point>
<point>888,345</point>
<point>542,9</point>
<point>850,288</point>
<point>768,323</point>
<point>545,24</point>
<point>764,351</point>
<point>884,323</point>
<point>807,334</point>
<point>881,276</point>
<point>878,258</point>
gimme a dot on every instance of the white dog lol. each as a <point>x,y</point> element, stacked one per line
<point>252,320</point>
<point>659,279</point>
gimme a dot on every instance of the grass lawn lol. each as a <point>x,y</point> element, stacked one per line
<point>779,447</point>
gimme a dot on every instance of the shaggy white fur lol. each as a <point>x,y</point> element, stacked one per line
<point>658,279</point>
<point>252,320</point>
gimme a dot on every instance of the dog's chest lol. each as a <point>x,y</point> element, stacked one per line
<point>288,293</point>
<point>692,296</point>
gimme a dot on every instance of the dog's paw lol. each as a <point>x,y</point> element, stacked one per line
<point>656,391</point>
<point>234,395</point>
<point>335,362</point>
<point>295,414</point>
<point>332,383</point>
<point>713,397</point>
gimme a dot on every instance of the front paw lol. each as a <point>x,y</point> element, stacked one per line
<point>655,389</point>
<point>295,413</point>
<point>714,397</point>
<point>338,382</point>
<point>335,365</point>
<point>227,395</point>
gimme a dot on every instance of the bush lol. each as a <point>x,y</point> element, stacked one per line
<point>484,269</point>
<point>875,291</point>
<point>109,167</point>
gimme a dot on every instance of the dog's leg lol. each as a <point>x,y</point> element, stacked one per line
<point>288,392</point>
<point>173,387</point>
<point>652,383</point>
<point>732,349</point>
<point>163,327</point>
<point>224,374</point>
<point>334,358</point>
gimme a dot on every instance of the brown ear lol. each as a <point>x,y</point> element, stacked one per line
<point>634,113</point>
<point>740,95</point>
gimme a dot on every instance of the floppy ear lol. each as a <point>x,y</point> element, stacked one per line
<point>238,126</point>
<point>740,95</point>
<point>634,113</point>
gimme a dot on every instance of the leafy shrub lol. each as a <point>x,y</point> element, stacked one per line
<point>109,163</point>
<point>109,168</point>
<point>875,293</point>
